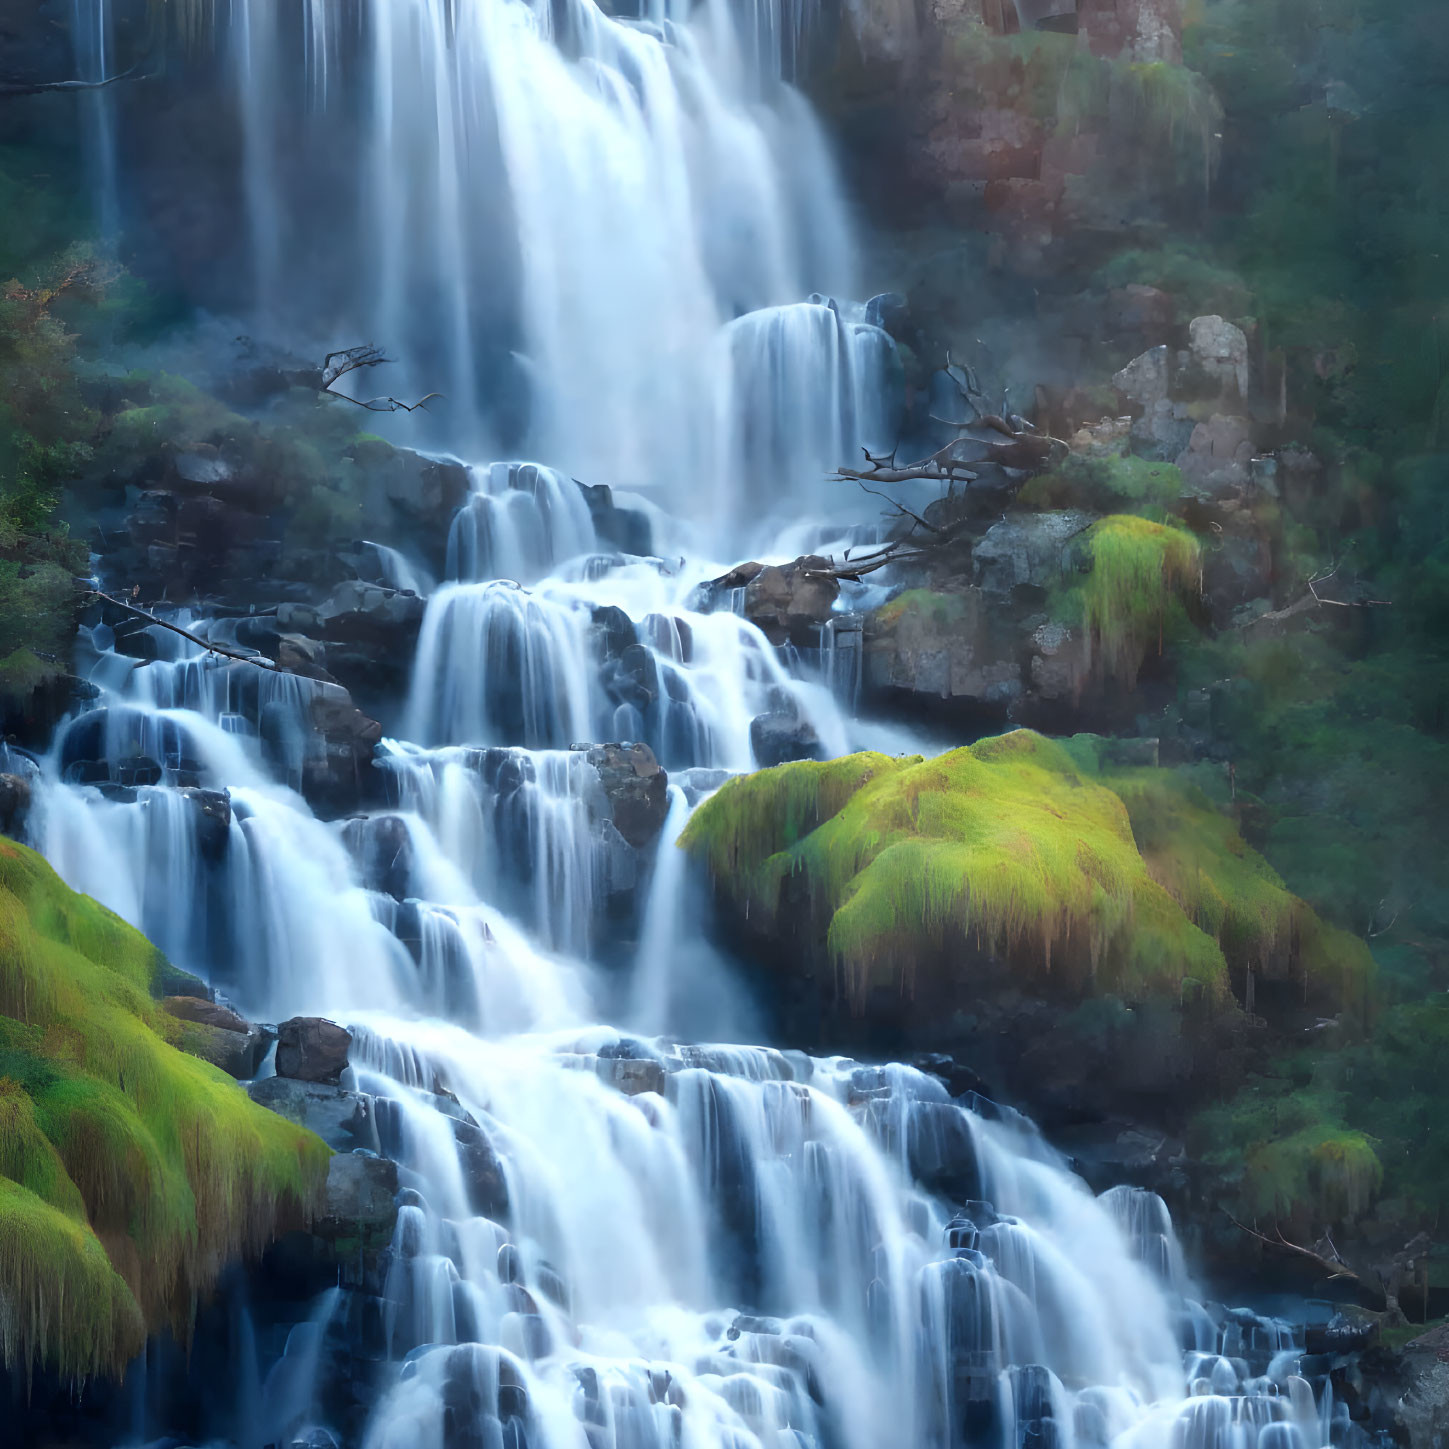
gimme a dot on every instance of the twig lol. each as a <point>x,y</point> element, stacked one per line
<point>336,365</point>
<point>35,88</point>
<point>1335,1267</point>
<point>899,507</point>
<point>260,661</point>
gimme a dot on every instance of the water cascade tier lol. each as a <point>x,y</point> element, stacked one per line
<point>612,241</point>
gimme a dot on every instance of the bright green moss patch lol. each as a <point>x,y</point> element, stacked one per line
<point>1139,572</point>
<point>130,1173</point>
<point>1005,845</point>
<point>1084,879</point>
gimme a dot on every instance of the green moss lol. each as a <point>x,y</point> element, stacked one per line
<point>924,603</point>
<point>1085,877</point>
<point>1107,485</point>
<point>1005,844</point>
<point>130,1173</point>
<point>1137,573</point>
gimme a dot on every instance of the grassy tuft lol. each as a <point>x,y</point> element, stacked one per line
<point>1139,573</point>
<point>130,1173</point>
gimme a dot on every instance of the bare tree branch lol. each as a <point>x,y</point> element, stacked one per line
<point>336,366</point>
<point>260,661</point>
<point>1335,1267</point>
<point>35,88</point>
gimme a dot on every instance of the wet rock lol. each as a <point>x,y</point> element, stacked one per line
<point>383,849</point>
<point>627,529</point>
<point>1026,550</point>
<point>613,631</point>
<point>1060,662</point>
<point>942,646</point>
<point>632,1075</point>
<point>338,777</point>
<point>312,1049</point>
<point>360,1209</point>
<point>1163,432</point>
<point>890,311</point>
<point>1145,381</point>
<point>783,734</point>
<point>1218,352</point>
<point>212,811</point>
<point>636,789</point>
<point>14,803</point>
<point>240,1054</point>
<point>1421,1413</point>
<point>1216,461</point>
<point>298,654</point>
<point>482,1168</point>
<point>371,613</point>
<point>205,1013</point>
<point>342,1119</point>
<point>941,1152</point>
<point>791,601</point>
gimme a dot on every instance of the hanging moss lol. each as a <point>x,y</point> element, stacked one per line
<point>1138,573</point>
<point>1084,878</point>
<point>1004,844</point>
<point>130,1173</point>
<point>1192,848</point>
<point>1289,1158</point>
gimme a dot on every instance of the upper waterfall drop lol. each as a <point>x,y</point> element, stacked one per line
<point>552,216</point>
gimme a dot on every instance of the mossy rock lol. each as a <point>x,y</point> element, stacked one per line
<point>1017,849</point>
<point>130,1173</point>
<point>1140,579</point>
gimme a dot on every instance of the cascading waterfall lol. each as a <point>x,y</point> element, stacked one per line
<point>606,1238</point>
<point>612,1239</point>
<point>555,218</point>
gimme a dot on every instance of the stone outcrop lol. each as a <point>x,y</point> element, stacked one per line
<point>635,791</point>
<point>342,1119</point>
<point>218,1035</point>
<point>312,1049</point>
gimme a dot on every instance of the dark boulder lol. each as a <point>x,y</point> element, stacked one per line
<point>14,803</point>
<point>791,601</point>
<point>205,1013</point>
<point>636,790</point>
<point>312,1049</point>
<point>342,1119</point>
<point>782,733</point>
<point>212,812</point>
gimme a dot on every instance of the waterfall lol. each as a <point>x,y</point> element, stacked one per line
<point>612,241</point>
<point>554,217</point>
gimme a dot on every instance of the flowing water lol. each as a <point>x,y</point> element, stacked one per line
<point>608,1237</point>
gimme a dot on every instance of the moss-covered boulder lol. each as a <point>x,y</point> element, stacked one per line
<point>130,1172</point>
<point>1016,865</point>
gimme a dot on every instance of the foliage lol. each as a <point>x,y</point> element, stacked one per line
<point>129,1172</point>
<point>1164,115</point>
<point>1315,1141</point>
<point>1024,848</point>
<point>1107,485</point>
